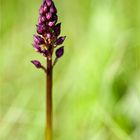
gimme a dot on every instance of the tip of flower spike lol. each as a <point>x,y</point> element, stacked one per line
<point>59,52</point>
<point>36,63</point>
<point>48,2</point>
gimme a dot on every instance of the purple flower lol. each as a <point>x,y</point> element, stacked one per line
<point>59,52</point>
<point>60,40</point>
<point>47,27</point>
<point>36,63</point>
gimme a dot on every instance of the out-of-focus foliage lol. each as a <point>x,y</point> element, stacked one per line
<point>96,83</point>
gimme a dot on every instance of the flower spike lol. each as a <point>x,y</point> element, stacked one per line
<point>48,30</point>
<point>45,43</point>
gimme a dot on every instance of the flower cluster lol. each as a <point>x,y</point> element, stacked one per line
<point>48,37</point>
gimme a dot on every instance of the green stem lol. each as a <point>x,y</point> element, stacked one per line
<point>49,115</point>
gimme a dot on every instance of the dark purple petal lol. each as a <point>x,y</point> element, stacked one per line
<point>60,40</point>
<point>59,52</point>
<point>36,63</point>
<point>38,40</point>
<point>57,29</point>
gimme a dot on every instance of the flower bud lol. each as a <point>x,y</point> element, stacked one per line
<point>51,23</point>
<point>53,9</point>
<point>57,29</point>
<point>41,19</point>
<point>48,2</point>
<point>59,52</point>
<point>41,10</point>
<point>36,63</point>
<point>45,8</point>
<point>41,28</point>
<point>48,16</point>
<point>60,40</point>
<point>38,40</point>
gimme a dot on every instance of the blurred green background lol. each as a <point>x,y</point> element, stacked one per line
<point>96,83</point>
